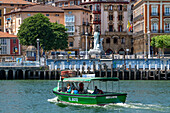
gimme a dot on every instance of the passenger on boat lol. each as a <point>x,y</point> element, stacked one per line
<point>95,90</point>
<point>81,88</point>
<point>68,88</point>
<point>74,91</point>
<point>100,91</point>
<point>72,86</point>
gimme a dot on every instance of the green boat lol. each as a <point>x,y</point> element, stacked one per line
<point>108,93</point>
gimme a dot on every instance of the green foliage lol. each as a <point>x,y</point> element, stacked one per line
<point>60,41</point>
<point>39,27</point>
<point>161,41</point>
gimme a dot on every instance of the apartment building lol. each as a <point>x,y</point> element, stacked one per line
<point>76,20</point>
<point>111,18</point>
<point>9,45</point>
<point>151,18</point>
<point>14,19</point>
<point>8,5</point>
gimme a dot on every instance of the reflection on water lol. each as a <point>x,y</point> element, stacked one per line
<point>35,96</point>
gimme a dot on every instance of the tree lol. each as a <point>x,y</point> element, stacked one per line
<point>60,36</point>
<point>39,27</point>
<point>161,41</point>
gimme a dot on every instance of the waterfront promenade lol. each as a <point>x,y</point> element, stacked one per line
<point>125,68</point>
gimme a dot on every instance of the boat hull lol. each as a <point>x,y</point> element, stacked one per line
<point>91,99</point>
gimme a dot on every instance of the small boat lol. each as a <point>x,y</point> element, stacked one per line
<point>108,93</point>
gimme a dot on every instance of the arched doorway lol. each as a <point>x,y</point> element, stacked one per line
<point>109,51</point>
<point>121,51</point>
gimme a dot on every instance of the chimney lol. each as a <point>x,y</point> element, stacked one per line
<point>4,19</point>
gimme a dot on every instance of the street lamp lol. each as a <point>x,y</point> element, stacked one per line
<point>148,44</point>
<point>38,48</point>
<point>86,44</point>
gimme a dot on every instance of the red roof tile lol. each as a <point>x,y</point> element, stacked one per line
<point>6,35</point>
<point>75,7</point>
<point>38,9</point>
<point>15,2</point>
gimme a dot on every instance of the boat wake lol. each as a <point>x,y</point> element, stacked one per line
<point>119,106</point>
<point>152,107</point>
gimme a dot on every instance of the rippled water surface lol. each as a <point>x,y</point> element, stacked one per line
<point>35,96</point>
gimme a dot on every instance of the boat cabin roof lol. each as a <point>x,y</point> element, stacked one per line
<point>80,79</point>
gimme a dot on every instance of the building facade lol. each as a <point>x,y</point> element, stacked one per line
<point>151,18</point>
<point>9,45</point>
<point>111,19</point>
<point>15,18</point>
<point>9,5</point>
<point>77,22</point>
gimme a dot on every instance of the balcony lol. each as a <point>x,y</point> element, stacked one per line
<point>154,14</point>
<point>96,21</point>
<point>115,33</point>
<point>138,17</point>
<point>160,31</point>
<point>97,11</point>
<point>167,14</point>
<point>86,23</point>
<point>139,32</point>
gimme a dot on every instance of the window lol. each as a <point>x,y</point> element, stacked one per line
<point>56,14</point>
<point>28,14</point>
<point>70,28</point>
<point>120,28</point>
<point>3,42</point>
<point>3,50</point>
<point>65,3</point>
<point>91,7</point>
<point>75,2</point>
<point>69,18</point>
<point>0,22</point>
<point>123,40</point>
<point>19,22</point>
<point>115,40</point>
<point>14,41</point>
<point>0,13</point>
<point>60,4</point>
<point>70,12</point>
<point>108,40</point>
<point>23,4</point>
<point>110,28</point>
<point>131,40</point>
<point>71,3</point>
<point>120,17</point>
<point>78,2</point>
<point>12,4</point>
<point>120,7</point>
<point>47,15</point>
<point>154,11</point>
<point>167,10</point>
<point>110,17</point>
<point>69,23</point>
<point>111,8</point>
<point>71,44</point>
<point>154,27</point>
<point>167,27</point>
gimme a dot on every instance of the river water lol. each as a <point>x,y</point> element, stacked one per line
<point>35,96</point>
